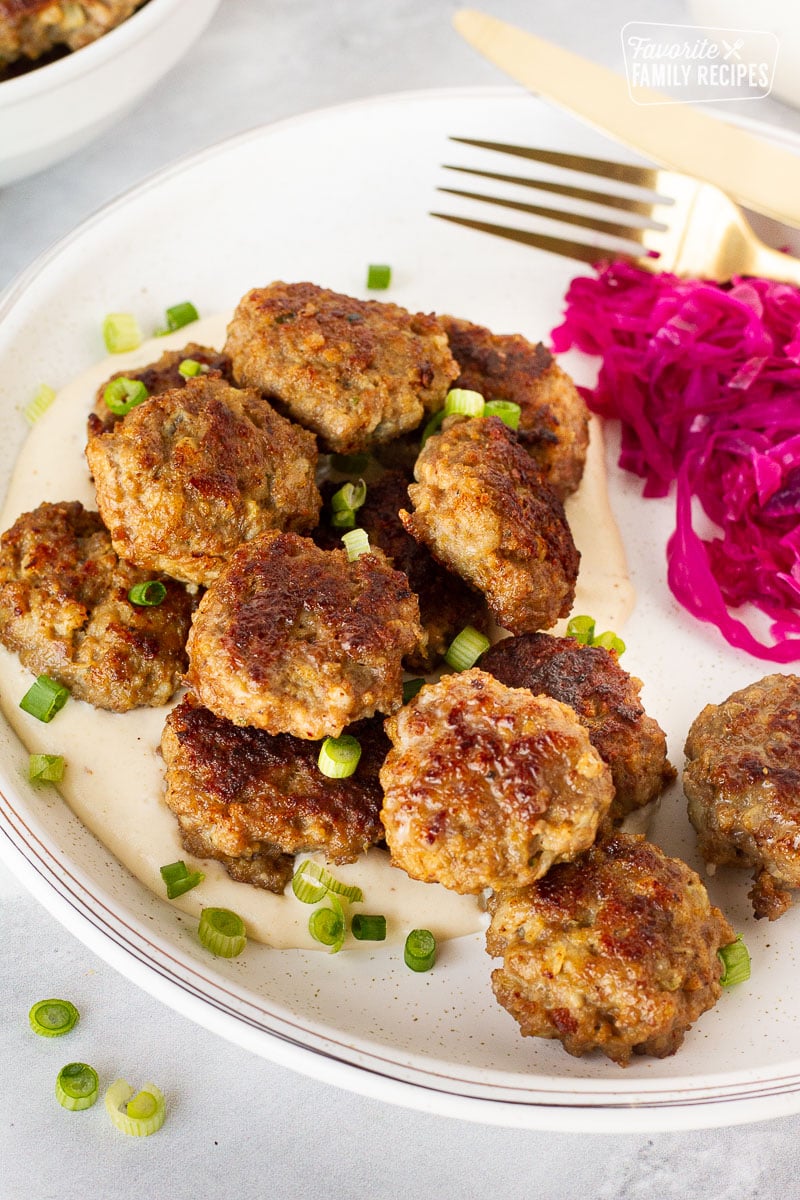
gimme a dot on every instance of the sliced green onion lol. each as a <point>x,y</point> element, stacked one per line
<point>121,332</point>
<point>43,397</point>
<point>138,1115</point>
<point>466,648</point>
<point>410,688</point>
<point>367,927</point>
<point>356,543</point>
<point>464,402</point>
<point>349,464</point>
<point>338,757</point>
<point>222,932</point>
<point>44,698</point>
<point>433,425</point>
<point>77,1086</point>
<point>328,925</point>
<point>311,882</point>
<point>379,276</point>
<point>179,879</point>
<point>181,314</point>
<point>610,641</point>
<point>148,594</point>
<point>46,768</point>
<point>191,367</point>
<point>122,394</point>
<point>419,952</point>
<point>735,960</point>
<point>582,629</point>
<point>508,412</point>
<point>51,1018</point>
<point>345,502</point>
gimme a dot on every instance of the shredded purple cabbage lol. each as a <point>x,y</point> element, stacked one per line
<point>705,380</point>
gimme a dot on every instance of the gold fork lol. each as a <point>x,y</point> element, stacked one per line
<point>672,222</point>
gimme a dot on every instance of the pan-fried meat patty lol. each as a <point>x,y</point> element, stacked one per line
<point>554,420</point>
<point>616,951</point>
<point>32,28</point>
<point>487,786</point>
<point>742,781</point>
<point>446,603</point>
<point>64,609</point>
<point>484,510</point>
<point>295,639</point>
<point>189,475</point>
<point>605,699</point>
<point>163,375</point>
<point>253,801</point>
<point>357,372</point>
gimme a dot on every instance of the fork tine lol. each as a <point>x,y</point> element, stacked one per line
<point>628,232</point>
<point>556,245</point>
<point>623,172</point>
<point>607,199</point>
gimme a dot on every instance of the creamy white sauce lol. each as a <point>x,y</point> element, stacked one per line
<point>114,776</point>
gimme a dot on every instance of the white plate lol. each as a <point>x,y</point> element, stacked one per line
<point>319,197</point>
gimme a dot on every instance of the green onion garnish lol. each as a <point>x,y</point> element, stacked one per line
<point>77,1086</point>
<point>338,757</point>
<point>328,925</point>
<point>148,594</point>
<point>123,394</point>
<point>42,399</point>
<point>464,402</point>
<point>44,698</point>
<point>735,960</point>
<point>466,648</point>
<point>410,688</point>
<point>419,952</point>
<point>191,367</point>
<point>121,332</point>
<point>179,315</point>
<point>179,879</point>
<point>349,464</point>
<point>45,768</point>
<point>508,412</point>
<point>138,1115</point>
<point>311,883</point>
<point>433,425</point>
<point>222,932</point>
<point>583,630</point>
<point>356,543</point>
<point>51,1018</point>
<point>345,502</point>
<point>367,927</point>
<point>379,276</point>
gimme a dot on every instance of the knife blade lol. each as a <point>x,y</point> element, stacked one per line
<point>755,173</point>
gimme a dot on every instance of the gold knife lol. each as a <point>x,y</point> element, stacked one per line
<point>754,172</point>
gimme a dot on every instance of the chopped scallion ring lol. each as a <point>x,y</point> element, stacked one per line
<point>42,399</point>
<point>191,367</point>
<point>323,882</point>
<point>583,630</point>
<point>610,641</point>
<point>179,879</point>
<point>349,464</point>
<point>122,394</point>
<point>181,314</point>
<point>466,648</point>
<point>139,1115</point>
<point>121,332</point>
<point>77,1086</point>
<point>356,543</point>
<point>44,698</point>
<point>411,687</point>
<point>508,412</point>
<point>368,927</point>
<point>735,960</point>
<point>464,402</point>
<point>433,425</point>
<point>52,1018</point>
<point>379,276</point>
<point>338,757</point>
<point>419,952</point>
<point>345,502</point>
<point>148,594</point>
<point>328,925</point>
<point>45,768</point>
<point>222,932</point>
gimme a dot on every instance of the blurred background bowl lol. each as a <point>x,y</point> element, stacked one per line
<point>51,111</point>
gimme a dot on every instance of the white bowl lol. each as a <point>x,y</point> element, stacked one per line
<point>51,111</point>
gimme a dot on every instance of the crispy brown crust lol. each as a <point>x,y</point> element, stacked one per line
<point>64,609</point>
<point>742,781</point>
<point>487,786</point>
<point>357,372</point>
<point>163,376</point>
<point>605,699</point>
<point>616,951</point>
<point>483,509</point>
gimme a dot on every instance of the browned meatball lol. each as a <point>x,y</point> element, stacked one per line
<point>163,375</point>
<point>483,509</point>
<point>189,475</point>
<point>446,603</point>
<point>554,420</point>
<point>616,951</point>
<point>357,372</point>
<point>253,801</point>
<point>294,639</point>
<point>33,28</point>
<point>605,699</point>
<point>742,780</point>
<point>64,609</point>
<point>488,786</point>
